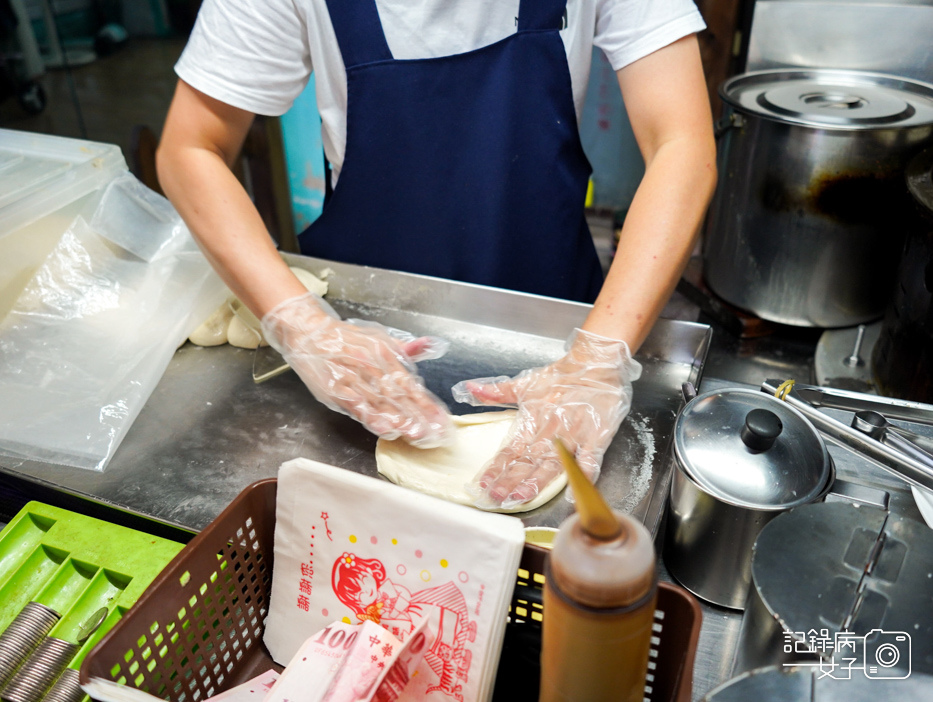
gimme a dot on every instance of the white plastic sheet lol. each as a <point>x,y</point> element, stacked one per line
<point>91,334</point>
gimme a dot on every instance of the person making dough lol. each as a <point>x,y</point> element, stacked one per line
<point>450,127</point>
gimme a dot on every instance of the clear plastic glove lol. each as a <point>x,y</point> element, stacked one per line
<point>361,369</point>
<point>581,398</point>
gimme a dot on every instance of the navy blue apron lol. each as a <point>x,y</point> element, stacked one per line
<point>467,167</point>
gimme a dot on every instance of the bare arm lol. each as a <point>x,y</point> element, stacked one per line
<point>584,397</point>
<point>200,141</point>
<point>666,98</point>
<point>361,371</point>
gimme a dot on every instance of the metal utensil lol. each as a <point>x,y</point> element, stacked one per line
<point>877,427</point>
<point>857,401</point>
<point>896,462</point>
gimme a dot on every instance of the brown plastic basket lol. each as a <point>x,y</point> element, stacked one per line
<point>198,629</point>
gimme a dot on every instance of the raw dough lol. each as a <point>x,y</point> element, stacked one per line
<point>213,332</point>
<point>443,472</point>
<point>244,331</point>
<point>233,323</point>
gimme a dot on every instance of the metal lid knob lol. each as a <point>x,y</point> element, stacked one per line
<point>761,430</point>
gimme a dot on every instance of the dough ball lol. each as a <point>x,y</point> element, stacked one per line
<point>244,329</point>
<point>235,324</point>
<point>213,331</point>
<point>443,472</point>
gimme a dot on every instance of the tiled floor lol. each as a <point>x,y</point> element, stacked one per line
<point>131,87</point>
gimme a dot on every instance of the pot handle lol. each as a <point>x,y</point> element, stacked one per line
<point>844,491</point>
<point>733,120</point>
<point>688,390</point>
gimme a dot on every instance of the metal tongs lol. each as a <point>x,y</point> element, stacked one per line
<point>870,434</point>
<point>857,401</point>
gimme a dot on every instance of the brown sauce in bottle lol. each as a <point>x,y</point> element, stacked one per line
<point>599,603</point>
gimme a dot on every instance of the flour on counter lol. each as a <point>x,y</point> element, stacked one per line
<point>641,474</point>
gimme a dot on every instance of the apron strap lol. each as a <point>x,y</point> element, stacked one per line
<point>541,15</point>
<point>359,31</point>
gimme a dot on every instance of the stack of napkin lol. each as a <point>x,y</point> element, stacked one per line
<point>352,548</point>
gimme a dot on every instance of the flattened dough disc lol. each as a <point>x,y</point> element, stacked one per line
<point>443,472</point>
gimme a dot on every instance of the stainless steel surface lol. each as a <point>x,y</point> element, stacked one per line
<point>208,430</point>
<point>808,217</point>
<point>886,36</point>
<point>845,491</point>
<point>858,401</point>
<point>708,543</point>
<point>791,583</point>
<point>723,492</point>
<point>710,444</point>
<point>830,366</point>
<point>801,684</point>
<point>899,464</point>
<point>22,636</point>
<point>877,427</point>
<point>840,568</point>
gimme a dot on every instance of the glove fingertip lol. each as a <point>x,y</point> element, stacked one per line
<point>485,391</point>
<point>426,348</point>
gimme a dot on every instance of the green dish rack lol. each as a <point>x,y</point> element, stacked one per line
<point>86,571</point>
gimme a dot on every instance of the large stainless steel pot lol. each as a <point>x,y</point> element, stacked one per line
<point>807,223</point>
<point>742,457</point>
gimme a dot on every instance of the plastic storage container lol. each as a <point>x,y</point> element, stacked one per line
<point>45,182</point>
<point>198,630</point>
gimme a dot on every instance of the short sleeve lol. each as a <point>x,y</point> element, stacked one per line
<point>251,54</point>
<point>627,30</point>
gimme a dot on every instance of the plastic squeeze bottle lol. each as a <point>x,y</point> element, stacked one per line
<point>599,600</point>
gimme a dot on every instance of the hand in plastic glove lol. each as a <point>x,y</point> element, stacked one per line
<point>581,398</point>
<point>360,368</point>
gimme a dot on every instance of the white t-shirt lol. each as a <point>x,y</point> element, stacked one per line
<point>258,54</point>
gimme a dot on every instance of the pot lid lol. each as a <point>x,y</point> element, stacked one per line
<point>832,99</point>
<point>751,450</point>
<point>845,567</point>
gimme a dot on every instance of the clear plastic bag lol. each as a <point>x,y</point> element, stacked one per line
<point>93,331</point>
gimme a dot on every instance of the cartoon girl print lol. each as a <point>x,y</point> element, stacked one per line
<point>363,586</point>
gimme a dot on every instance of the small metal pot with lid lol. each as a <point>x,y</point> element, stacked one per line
<point>741,458</point>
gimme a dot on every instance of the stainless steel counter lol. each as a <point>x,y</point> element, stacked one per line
<point>208,431</point>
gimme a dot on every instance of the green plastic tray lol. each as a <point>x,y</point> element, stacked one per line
<point>76,565</point>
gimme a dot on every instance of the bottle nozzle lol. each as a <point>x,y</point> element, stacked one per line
<point>596,516</point>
